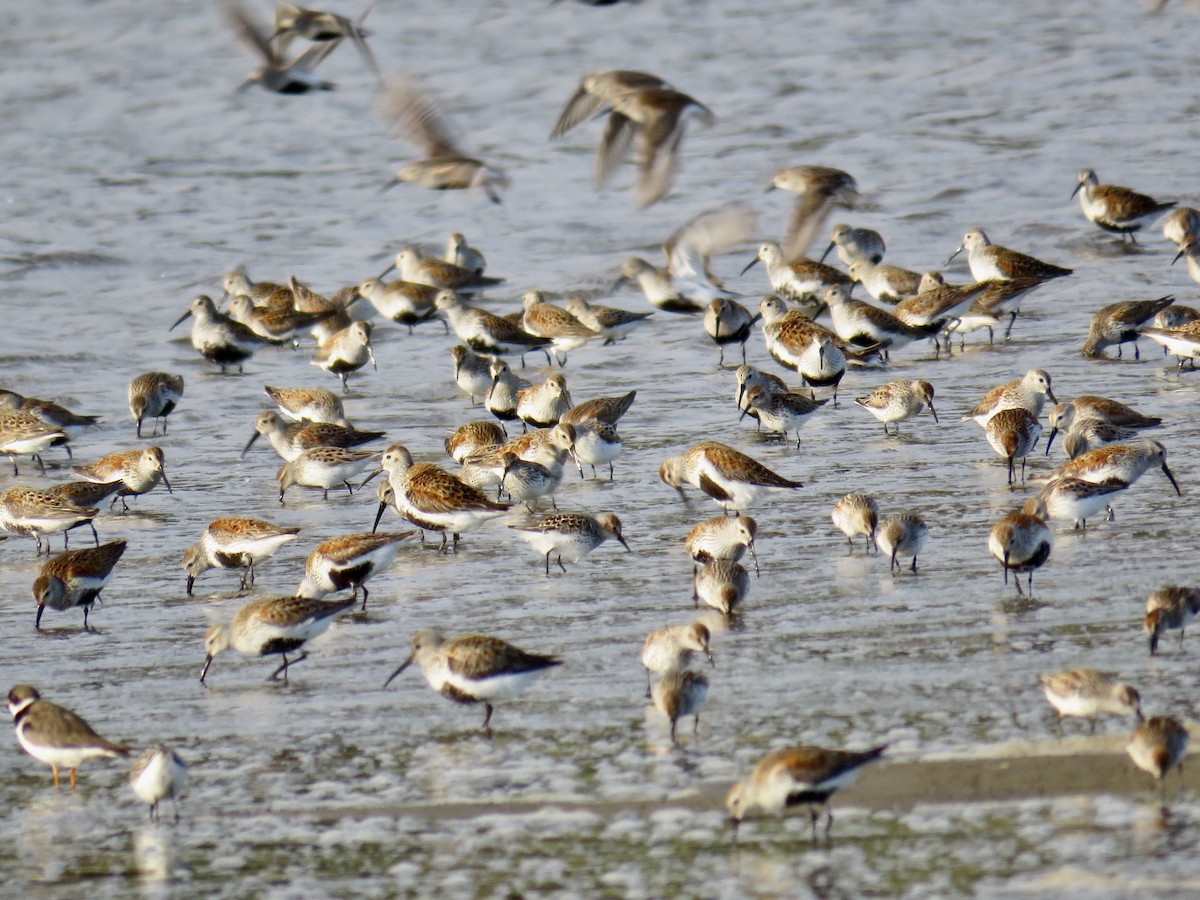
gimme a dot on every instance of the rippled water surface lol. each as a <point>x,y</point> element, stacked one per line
<point>134,177</point>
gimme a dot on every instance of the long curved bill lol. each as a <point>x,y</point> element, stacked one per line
<point>404,665</point>
<point>204,672</point>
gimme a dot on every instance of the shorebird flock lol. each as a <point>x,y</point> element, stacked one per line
<point>507,484</point>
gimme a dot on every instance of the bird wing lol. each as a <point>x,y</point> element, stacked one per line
<point>417,118</point>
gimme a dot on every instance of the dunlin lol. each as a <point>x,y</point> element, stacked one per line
<point>56,736</point>
<point>347,561</point>
<point>75,579</point>
<point>1116,209</point>
<point>1013,433</point>
<point>544,319</point>
<point>23,433</point>
<point>322,27</point>
<point>1123,463</point>
<point>670,649</point>
<point>139,472</point>
<point>902,535</point>
<point>572,535</point>
<point>471,438</point>
<point>797,776</point>
<point>1021,542</point>
<point>543,404</point>
<point>83,493</point>
<point>429,270</point>
<point>154,395</point>
<point>472,372</point>
<point>474,668</point>
<point>1028,393</point>
<point>1181,223</point>
<point>217,337</point>
<point>528,480</point>
<point>781,413</point>
<point>53,414</point>
<point>819,189</point>
<point>1086,693</point>
<point>690,248</point>
<point>728,322</point>
<point>680,694</point>
<point>1183,341</point>
<point>404,302</point>
<point>599,409</point>
<point>484,332</point>
<point>346,352</point>
<point>594,443</point>
<point>1169,608</point>
<point>416,118</point>
<point>1175,315</point>
<point>1118,324</point>
<point>1001,297</point>
<point>991,262</point>
<point>596,92</point>
<point>1157,746</point>
<point>723,537</point>
<point>817,354</point>
<point>854,244</point>
<point>324,468</point>
<point>276,74</point>
<point>857,514</point>
<point>501,397</point>
<point>308,404</point>
<point>1090,408</point>
<point>158,774</point>
<point>263,293</point>
<point>461,254</point>
<point>1075,500</point>
<point>277,326</point>
<point>290,440</point>
<point>656,284</point>
<point>748,377</point>
<point>24,510</point>
<point>732,479</point>
<point>433,499</point>
<point>865,325</point>
<point>936,305</point>
<point>273,625</point>
<point>722,584</point>
<point>798,279</point>
<point>897,401</point>
<point>887,284</point>
<point>1089,435</point>
<point>235,542</point>
<point>613,324</point>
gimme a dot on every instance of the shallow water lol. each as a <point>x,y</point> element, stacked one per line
<point>134,178</point>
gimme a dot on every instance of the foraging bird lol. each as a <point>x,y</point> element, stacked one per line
<point>56,736</point>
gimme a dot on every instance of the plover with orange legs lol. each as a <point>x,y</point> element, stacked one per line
<point>543,404</point>
<point>54,735</point>
<point>433,499</point>
<point>273,625</point>
<point>218,338</point>
<point>887,284</point>
<point>897,401</point>
<point>1086,693</point>
<point>722,537</point>
<point>75,579</point>
<point>324,468</point>
<point>472,372</point>
<point>732,479</point>
<point>1122,463</point>
<point>347,561</point>
<point>799,279</point>
<point>1183,342</point>
<point>22,433</point>
<point>1028,393</point>
<point>289,440</point>
<point>404,302</point>
<point>235,542</point>
<point>346,352</point>
<point>819,189</point>
<point>1090,408</point>
<point>1013,433</point>
<point>1075,500</point>
<point>780,413</point>
<point>902,536</point>
<point>1157,746</point>
<point>276,74</point>
<point>671,649</point>
<point>474,668</point>
<point>857,514</point>
<point>544,319</point>
<point>308,404</point>
<point>853,244</point>
<point>613,324</point>
<point>469,439</point>
<point>797,776</point>
<point>1169,608</point>
<point>37,513</point>
<point>487,333</point>
<point>570,535</point>
<point>1181,223</point>
<point>728,322</point>
<point>1116,209</point>
<point>322,27</point>
<point>139,471</point>
<point>680,694</point>
<point>656,284</point>
<point>991,262</point>
<point>1021,543</point>
<point>158,774</point>
<point>154,395</point>
<point>722,584</point>
<point>417,120</point>
<point>1118,324</point>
